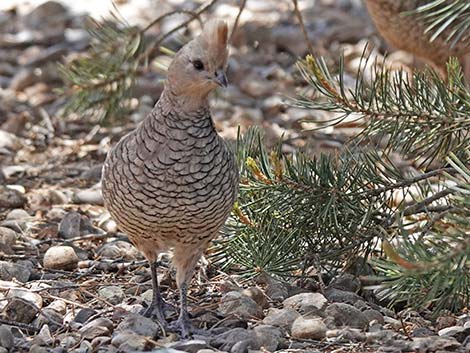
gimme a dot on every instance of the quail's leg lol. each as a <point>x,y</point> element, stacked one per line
<point>183,324</point>
<point>156,308</point>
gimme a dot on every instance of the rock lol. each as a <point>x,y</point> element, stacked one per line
<point>11,198</point>
<point>118,249</point>
<point>23,79</point>
<point>60,258</point>
<point>313,329</point>
<point>69,226</point>
<point>46,14</point>
<point>347,315</point>
<point>306,303</point>
<point>93,173</point>
<point>139,325</point>
<point>44,337</point>
<point>128,341</point>
<point>10,142</point>
<point>17,214</point>
<point>434,344</point>
<point>6,337</point>
<point>422,332</point>
<point>36,348</point>
<point>97,327</point>
<point>341,296</point>
<point>346,282</point>
<point>372,315</point>
<point>10,270</point>
<point>20,310</point>
<point>445,321</point>
<point>7,236</point>
<point>89,196</point>
<point>235,303</point>
<point>83,315</point>
<point>27,295</point>
<point>257,295</point>
<point>277,291</point>
<point>282,318</point>
<point>112,294</point>
<point>234,340</point>
<point>51,318</point>
<point>268,337</point>
<point>346,335</point>
<point>457,332</point>
<point>100,341</point>
<point>191,346</point>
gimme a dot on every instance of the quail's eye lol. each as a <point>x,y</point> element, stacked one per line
<point>198,65</point>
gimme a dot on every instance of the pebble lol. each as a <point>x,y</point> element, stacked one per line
<point>257,295</point>
<point>20,310</point>
<point>11,270</point>
<point>44,337</point>
<point>11,198</point>
<point>112,294</point>
<point>50,317</point>
<point>341,296</point>
<point>313,329</point>
<point>139,325</point>
<point>97,327</point>
<point>282,318</point>
<point>7,236</point>
<point>89,196</point>
<point>17,214</point>
<point>118,249</point>
<point>27,295</point>
<point>44,15</point>
<point>372,315</point>
<point>238,304</point>
<point>457,332</point>
<point>10,142</point>
<point>69,226</point>
<point>6,337</point>
<point>445,321</point>
<point>434,344</point>
<point>130,341</point>
<point>190,346</point>
<point>268,337</point>
<point>347,315</point>
<point>307,303</point>
<point>60,258</point>
<point>346,335</point>
<point>346,282</point>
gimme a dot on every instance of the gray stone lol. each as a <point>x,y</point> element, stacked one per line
<point>306,303</point>
<point>346,335</point>
<point>118,249</point>
<point>27,295</point>
<point>257,295</point>
<point>341,296</point>
<point>191,346</point>
<point>20,310</point>
<point>112,294</point>
<point>282,318</point>
<point>97,327</point>
<point>49,317</point>
<point>7,236</point>
<point>140,325</point>
<point>36,348</point>
<point>3,350</point>
<point>88,196</point>
<point>6,337</point>
<point>236,338</point>
<point>313,329</point>
<point>128,341</point>
<point>422,332</point>
<point>100,341</point>
<point>11,198</point>
<point>44,337</point>
<point>235,303</point>
<point>60,258</point>
<point>46,14</point>
<point>457,332</point>
<point>69,226</point>
<point>347,315</point>
<point>346,282</point>
<point>277,291</point>
<point>268,337</point>
<point>434,344</point>
<point>10,270</point>
<point>83,315</point>
<point>372,315</point>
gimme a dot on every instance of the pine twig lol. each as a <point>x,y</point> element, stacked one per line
<point>302,26</point>
<point>237,19</point>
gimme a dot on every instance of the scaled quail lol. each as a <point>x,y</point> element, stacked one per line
<point>172,182</point>
<point>407,32</point>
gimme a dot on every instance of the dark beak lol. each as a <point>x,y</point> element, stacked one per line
<point>220,78</point>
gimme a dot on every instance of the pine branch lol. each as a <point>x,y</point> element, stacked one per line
<point>422,117</point>
<point>446,18</point>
